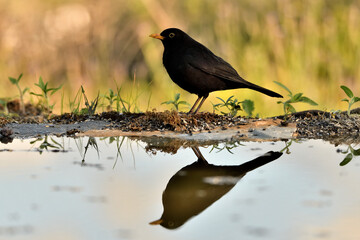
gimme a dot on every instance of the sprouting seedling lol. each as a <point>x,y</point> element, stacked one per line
<point>233,106</point>
<point>90,107</point>
<point>293,98</point>
<point>121,104</point>
<point>228,146</point>
<point>3,103</point>
<point>16,81</point>
<point>47,145</point>
<point>352,99</point>
<point>45,93</point>
<point>176,102</point>
<point>349,155</point>
<point>75,104</point>
<point>111,97</point>
<point>126,106</point>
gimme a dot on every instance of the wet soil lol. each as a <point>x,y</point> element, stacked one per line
<point>338,128</point>
<point>314,124</point>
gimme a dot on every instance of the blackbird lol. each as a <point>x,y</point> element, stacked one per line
<point>196,69</point>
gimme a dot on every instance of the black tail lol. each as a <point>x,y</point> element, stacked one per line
<point>263,90</point>
<point>260,161</point>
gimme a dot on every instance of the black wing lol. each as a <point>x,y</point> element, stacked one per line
<point>203,59</point>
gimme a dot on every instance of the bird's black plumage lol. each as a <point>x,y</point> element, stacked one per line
<point>196,69</point>
<point>197,186</point>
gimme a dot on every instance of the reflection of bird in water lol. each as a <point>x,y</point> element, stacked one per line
<point>198,185</point>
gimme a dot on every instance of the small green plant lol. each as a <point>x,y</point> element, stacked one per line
<point>3,103</point>
<point>126,106</point>
<point>121,104</point>
<point>74,105</point>
<point>233,106</point>
<point>349,155</point>
<point>176,102</point>
<point>294,98</point>
<point>90,107</point>
<point>352,99</point>
<point>112,98</point>
<point>16,81</point>
<point>83,150</point>
<point>228,146</point>
<point>45,94</point>
<point>46,145</point>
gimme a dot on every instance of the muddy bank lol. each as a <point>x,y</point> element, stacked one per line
<point>335,127</point>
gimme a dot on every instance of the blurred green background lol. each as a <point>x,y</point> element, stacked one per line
<point>310,46</point>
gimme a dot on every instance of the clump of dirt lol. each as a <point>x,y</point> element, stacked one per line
<point>174,121</point>
<point>177,122</point>
<point>337,128</point>
<point>30,109</point>
<point>4,121</point>
<point>68,118</point>
<point>5,135</point>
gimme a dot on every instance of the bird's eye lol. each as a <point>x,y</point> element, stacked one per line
<point>171,35</point>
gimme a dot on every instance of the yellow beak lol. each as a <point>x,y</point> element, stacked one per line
<point>156,222</point>
<point>157,36</point>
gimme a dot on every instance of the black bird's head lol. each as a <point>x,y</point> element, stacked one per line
<point>171,37</point>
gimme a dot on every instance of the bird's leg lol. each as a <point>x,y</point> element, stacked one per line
<point>199,155</point>
<point>201,103</point>
<point>193,107</point>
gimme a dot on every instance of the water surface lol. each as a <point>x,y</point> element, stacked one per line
<point>114,188</point>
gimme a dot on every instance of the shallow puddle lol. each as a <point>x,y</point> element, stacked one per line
<point>117,188</point>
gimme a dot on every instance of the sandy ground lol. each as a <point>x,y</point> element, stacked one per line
<point>313,124</point>
<point>260,130</point>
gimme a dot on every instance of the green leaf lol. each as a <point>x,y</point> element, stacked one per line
<point>36,94</point>
<point>25,90</point>
<point>356,152</point>
<point>283,86</point>
<point>221,99</point>
<point>53,90</point>
<point>183,102</point>
<point>346,160</point>
<point>217,105</point>
<point>229,100</point>
<point>168,102</point>
<point>289,108</point>
<point>19,77</point>
<point>347,90</point>
<point>41,84</point>
<point>356,99</point>
<point>296,97</point>
<point>248,107</point>
<point>13,80</point>
<point>177,97</point>
<point>308,100</point>
<point>345,100</point>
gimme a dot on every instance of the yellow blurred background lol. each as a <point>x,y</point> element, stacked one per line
<point>312,47</point>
